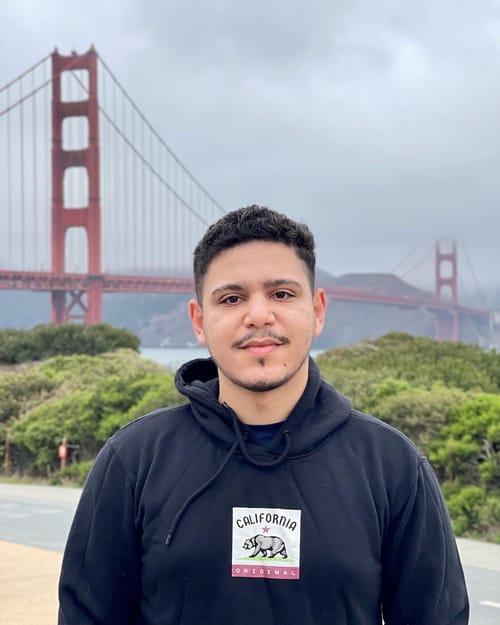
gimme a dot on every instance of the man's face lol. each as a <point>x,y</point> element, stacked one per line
<point>258,316</point>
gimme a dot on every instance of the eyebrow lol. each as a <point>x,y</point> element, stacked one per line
<point>267,284</point>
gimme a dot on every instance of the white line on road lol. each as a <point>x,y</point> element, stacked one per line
<point>490,604</point>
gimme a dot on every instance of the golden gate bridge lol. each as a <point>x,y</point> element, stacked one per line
<point>93,200</point>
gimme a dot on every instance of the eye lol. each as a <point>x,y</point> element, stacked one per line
<point>230,299</point>
<point>282,295</point>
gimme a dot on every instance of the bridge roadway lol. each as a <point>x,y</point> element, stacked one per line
<point>48,281</point>
<point>34,523</point>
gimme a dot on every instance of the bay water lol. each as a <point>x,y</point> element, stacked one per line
<point>174,357</point>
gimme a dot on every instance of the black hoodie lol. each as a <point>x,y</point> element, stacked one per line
<point>188,519</point>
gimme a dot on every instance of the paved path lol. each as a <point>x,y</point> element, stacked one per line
<point>39,517</point>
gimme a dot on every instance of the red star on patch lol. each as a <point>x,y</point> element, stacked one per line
<point>265,529</point>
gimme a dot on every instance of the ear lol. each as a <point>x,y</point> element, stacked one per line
<point>196,316</point>
<point>319,305</point>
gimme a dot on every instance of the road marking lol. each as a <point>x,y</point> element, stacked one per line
<point>490,604</point>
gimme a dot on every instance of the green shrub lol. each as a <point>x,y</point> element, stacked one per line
<point>445,396</point>
<point>455,459</point>
<point>475,512</point>
<point>420,413</point>
<point>89,399</point>
<point>464,508</point>
<point>420,361</point>
<point>21,390</point>
<point>72,474</point>
<point>489,518</point>
<point>468,448</point>
<point>46,340</point>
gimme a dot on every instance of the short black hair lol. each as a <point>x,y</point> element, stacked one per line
<point>252,223</point>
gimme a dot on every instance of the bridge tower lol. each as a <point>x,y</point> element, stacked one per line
<point>446,322</point>
<point>69,304</point>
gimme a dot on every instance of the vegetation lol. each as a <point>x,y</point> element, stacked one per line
<point>46,340</point>
<point>82,398</point>
<point>444,396</point>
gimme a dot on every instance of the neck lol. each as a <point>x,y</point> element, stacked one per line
<point>262,408</point>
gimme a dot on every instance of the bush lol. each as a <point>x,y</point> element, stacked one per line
<point>72,474</point>
<point>155,390</point>
<point>489,518</point>
<point>90,397</point>
<point>446,397</point>
<point>420,361</point>
<point>468,448</point>
<point>464,508</point>
<point>46,340</point>
<point>419,413</point>
<point>21,390</point>
<point>475,513</point>
<point>74,417</point>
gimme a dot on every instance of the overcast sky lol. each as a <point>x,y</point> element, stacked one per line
<point>377,122</point>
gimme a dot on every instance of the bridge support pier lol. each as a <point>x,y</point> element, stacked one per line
<point>446,323</point>
<point>83,306</point>
<point>86,217</point>
<point>446,326</point>
<point>58,313</point>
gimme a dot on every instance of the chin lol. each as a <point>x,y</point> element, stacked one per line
<point>263,375</point>
<point>261,384</point>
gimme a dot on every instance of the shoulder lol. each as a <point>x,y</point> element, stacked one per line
<point>153,421</point>
<point>376,430</point>
<point>383,449</point>
<point>151,430</point>
<point>392,464</point>
<point>154,439</point>
<point>153,443</point>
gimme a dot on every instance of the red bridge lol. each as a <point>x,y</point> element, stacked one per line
<point>124,209</point>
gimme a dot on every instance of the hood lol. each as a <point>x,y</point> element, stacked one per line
<point>317,414</point>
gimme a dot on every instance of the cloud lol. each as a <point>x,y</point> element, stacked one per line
<point>375,122</point>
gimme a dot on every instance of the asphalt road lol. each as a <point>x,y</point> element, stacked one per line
<point>40,516</point>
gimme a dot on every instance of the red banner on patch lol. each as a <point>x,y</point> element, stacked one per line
<point>274,572</point>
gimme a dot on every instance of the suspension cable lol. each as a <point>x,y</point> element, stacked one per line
<point>21,76</point>
<point>158,137</point>
<point>146,164</point>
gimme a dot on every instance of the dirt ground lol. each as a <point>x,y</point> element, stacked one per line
<point>28,585</point>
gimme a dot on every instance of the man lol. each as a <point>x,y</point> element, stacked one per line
<point>266,499</point>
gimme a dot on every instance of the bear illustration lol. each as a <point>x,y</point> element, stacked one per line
<point>268,546</point>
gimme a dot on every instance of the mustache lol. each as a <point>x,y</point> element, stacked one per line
<point>267,334</point>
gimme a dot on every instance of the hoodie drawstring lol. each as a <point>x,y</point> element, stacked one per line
<point>198,492</point>
<point>239,442</point>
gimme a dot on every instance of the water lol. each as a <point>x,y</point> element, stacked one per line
<point>173,357</point>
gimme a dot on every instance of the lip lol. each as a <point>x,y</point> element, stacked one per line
<point>260,348</point>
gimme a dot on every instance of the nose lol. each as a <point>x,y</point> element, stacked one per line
<point>259,312</point>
